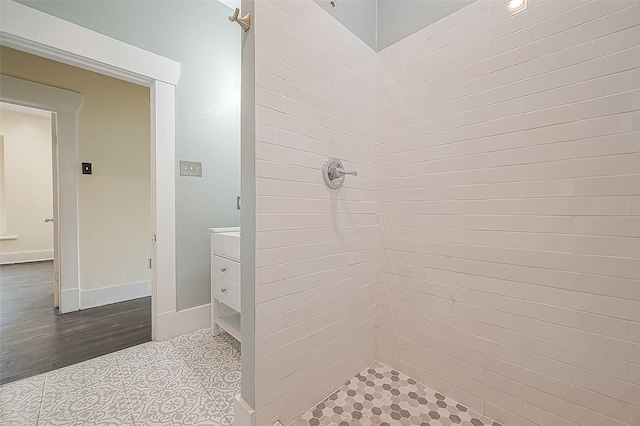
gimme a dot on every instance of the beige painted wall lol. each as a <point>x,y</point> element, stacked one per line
<point>28,187</point>
<point>114,202</point>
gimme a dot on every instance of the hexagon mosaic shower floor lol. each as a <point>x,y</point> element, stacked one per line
<point>382,396</point>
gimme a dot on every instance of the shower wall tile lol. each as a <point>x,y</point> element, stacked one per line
<point>508,187</point>
<point>315,247</point>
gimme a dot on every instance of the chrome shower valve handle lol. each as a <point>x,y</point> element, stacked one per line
<point>333,173</point>
<point>337,172</point>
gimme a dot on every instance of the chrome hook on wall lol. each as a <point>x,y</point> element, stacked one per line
<point>333,173</point>
<point>244,22</point>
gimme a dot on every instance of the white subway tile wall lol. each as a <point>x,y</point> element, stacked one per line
<point>315,247</point>
<point>509,208</point>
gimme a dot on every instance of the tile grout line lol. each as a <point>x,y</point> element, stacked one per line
<point>200,382</point>
<point>231,347</point>
<point>44,383</point>
<point>124,387</point>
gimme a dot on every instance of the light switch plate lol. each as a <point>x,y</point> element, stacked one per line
<point>190,168</point>
<point>86,169</point>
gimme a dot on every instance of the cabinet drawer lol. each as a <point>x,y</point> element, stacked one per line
<point>225,281</point>
<point>226,269</point>
<point>226,244</point>
<point>229,294</point>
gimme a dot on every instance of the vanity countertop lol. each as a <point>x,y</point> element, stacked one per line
<point>225,242</point>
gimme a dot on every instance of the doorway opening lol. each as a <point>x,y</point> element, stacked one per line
<point>28,30</point>
<point>115,308</point>
<point>26,180</point>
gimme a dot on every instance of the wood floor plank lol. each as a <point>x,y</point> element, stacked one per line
<point>35,338</point>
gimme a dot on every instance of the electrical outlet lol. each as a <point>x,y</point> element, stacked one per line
<point>190,168</point>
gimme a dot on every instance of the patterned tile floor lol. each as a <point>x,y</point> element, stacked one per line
<point>192,380</point>
<point>385,397</point>
<point>189,380</point>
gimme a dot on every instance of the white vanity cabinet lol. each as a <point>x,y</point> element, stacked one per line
<point>225,280</point>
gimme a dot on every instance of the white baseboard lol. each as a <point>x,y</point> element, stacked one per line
<point>108,295</point>
<point>193,319</point>
<point>175,323</point>
<point>243,414</point>
<point>25,256</point>
<point>70,300</point>
<point>165,325</point>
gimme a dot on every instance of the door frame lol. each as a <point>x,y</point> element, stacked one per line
<point>63,105</point>
<point>56,210</point>
<point>41,34</point>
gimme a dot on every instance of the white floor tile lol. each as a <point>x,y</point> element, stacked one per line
<point>20,401</point>
<point>191,380</point>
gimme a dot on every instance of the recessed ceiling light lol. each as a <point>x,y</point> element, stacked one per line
<point>517,5</point>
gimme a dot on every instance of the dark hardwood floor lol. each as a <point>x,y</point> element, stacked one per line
<point>35,338</point>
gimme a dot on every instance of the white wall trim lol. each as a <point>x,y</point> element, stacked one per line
<point>173,324</point>
<point>25,256</point>
<point>163,205</point>
<point>114,294</point>
<point>193,319</point>
<point>32,31</point>
<point>244,415</point>
<point>72,296</point>
<point>28,93</point>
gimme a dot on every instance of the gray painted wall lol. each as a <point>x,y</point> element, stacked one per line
<point>198,35</point>
<point>359,16</point>
<point>381,23</point>
<point>398,19</point>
